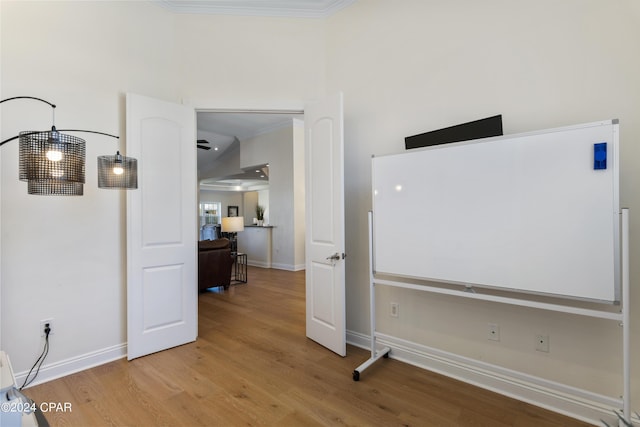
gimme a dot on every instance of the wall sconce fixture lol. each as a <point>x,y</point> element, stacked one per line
<point>53,163</point>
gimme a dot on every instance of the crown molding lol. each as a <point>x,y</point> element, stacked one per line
<point>273,8</point>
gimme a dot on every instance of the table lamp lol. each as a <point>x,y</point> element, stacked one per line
<point>231,225</point>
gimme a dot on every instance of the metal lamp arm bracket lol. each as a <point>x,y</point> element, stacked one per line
<point>28,97</point>
<point>60,130</point>
<point>53,127</point>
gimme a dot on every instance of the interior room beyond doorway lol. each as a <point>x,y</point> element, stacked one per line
<point>248,159</point>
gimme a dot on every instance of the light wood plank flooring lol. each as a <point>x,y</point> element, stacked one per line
<point>253,366</point>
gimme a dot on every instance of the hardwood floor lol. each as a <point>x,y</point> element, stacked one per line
<point>253,366</point>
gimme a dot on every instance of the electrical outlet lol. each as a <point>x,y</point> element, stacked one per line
<point>542,343</point>
<point>43,325</point>
<point>393,309</point>
<point>494,332</point>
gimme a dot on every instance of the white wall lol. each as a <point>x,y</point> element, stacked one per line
<point>64,257</point>
<point>413,66</point>
<point>250,201</point>
<point>277,149</point>
<point>404,67</point>
<point>250,62</point>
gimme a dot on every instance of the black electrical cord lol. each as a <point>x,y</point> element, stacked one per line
<point>40,360</point>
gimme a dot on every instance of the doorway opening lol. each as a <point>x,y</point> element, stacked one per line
<point>251,159</point>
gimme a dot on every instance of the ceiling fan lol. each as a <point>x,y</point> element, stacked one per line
<point>201,145</point>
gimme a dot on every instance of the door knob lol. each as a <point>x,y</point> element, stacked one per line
<point>334,257</point>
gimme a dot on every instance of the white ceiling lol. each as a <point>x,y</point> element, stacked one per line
<point>283,8</point>
<point>224,131</point>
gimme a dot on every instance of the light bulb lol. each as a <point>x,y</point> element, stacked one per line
<point>54,155</point>
<point>117,164</point>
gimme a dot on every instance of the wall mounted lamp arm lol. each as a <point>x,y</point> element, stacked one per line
<point>53,106</point>
<point>28,97</point>
<point>89,131</point>
<point>58,130</point>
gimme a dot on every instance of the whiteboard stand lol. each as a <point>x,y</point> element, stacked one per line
<point>375,354</point>
<point>623,318</point>
<point>626,320</point>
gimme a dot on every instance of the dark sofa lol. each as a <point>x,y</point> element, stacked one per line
<point>214,263</point>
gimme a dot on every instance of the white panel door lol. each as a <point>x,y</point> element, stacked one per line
<point>325,265</point>
<point>162,295</point>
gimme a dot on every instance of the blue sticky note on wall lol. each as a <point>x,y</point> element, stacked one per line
<point>600,156</point>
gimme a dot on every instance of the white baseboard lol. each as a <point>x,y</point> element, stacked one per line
<point>299,267</point>
<point>72,365</point>
<point>288,267</point>
<point>261,264</point>
<point>276,265</point>
<point>281,266</point>
<point>573,402</point>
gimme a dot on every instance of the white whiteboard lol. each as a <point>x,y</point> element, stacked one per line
<point>525,212</point>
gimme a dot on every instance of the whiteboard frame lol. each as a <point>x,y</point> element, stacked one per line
<point>623,318</point>
<point>613,295</point>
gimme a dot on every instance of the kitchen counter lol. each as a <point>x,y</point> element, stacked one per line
<point>255,241</point>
